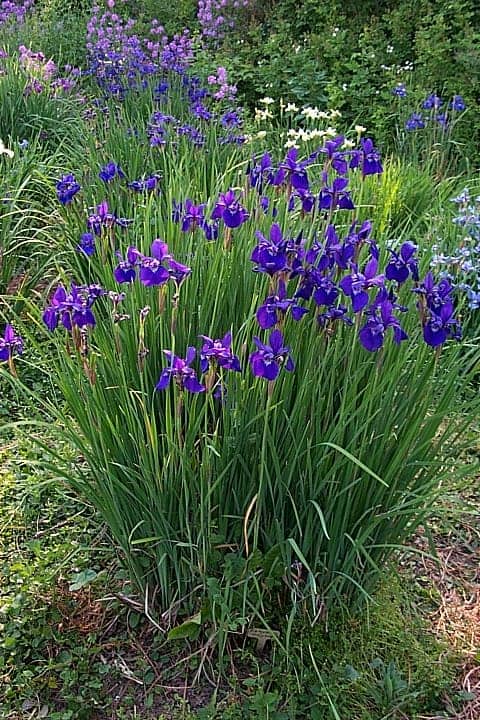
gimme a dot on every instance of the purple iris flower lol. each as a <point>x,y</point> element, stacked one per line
<point>267,360</point>
<point>218,352</point>
<point>110,171</point>
<point>210,230</point>
<point>10,343</point>
<point>180,370</point>
<point>337,158</point>
<point>87,244</point>
<point>201,111</point>
<point>400,90</point>
<point>432,102</point>
<point>336,195</point>
<point>229,209</point>
<point>326,292</point>
<point>293,171</point>
<point>193,215</point>
<point>52,312</point>
<point>270,255</point>
<point>72,309</point>
<point>125,272</point>
<point>458,103</point>
<point>442,325</point>
<point>102,219</point>
<point>177,210</point>
<point>178,272</point>
<point>435,296</point>
<point>67,187</point>
<point>261,173</point>
<point>268,313</point>
<point>403,263</point>
<point>415,122</point>
<point>334,314</point>
<point>380,317</point>
<point>231,119</point>
<point>357,284</point>
<point>152,272</point>
<point>307,201</point>
<point>148,184</point>
<point>371,162</point>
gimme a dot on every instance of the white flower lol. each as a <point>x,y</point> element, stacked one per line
<point>291,107</point>
<point>267,101</point>
<point>359,129</point>
<point>347,144</point>
<point>261,134</point>
<point>389,49</point>
<point>262,114</point>
<point>291,144</point>
<point>331,131</point>
<point>5,151</point>
<point>335,113</point>
<point>344,87</point>
<point>316,133</point>
<point>312,113</point>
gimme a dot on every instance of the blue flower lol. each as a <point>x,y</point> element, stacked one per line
<point>400,90</point>
<point>415,122</point>
<point>458,104</point>
<point>87,244</point>
<point>403,263</point>
<point>67,187</point>
<point>267,360</point>
<point>180,370</point>
<point>110,171</point>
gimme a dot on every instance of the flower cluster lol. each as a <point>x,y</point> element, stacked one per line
<point>15,12</point>
<point>330,274</point>
<point>10,343</point>
<point>155,269</point>
<point>437,111</point>
<point>221,87</point>
<point>120,60</point>
<point>227,208</point>
<point>292,174</point>
<point>216,356</point>
<point>73,309</point>
<point>43,75</point>
<point>462,266</point>
<point>216,17</point>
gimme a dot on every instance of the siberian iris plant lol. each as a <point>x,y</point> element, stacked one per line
<point>152,271</point>
<point>335,195</point>
<point>87,244</point>
<point>73,308</point>
<point>357,284</point>
<point>67,187</point>
<point>329,462</point>
<point>276,306</point>
<point>403,263</point>
<point>110,171</point>
<point>218,353</point>
<point>179,369</point>
<point>380,317</point>
<point>126,272</point>
<point>270,254</point>
<point>229,209</point>
<point>10,344</point>
<point>267,360</point>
